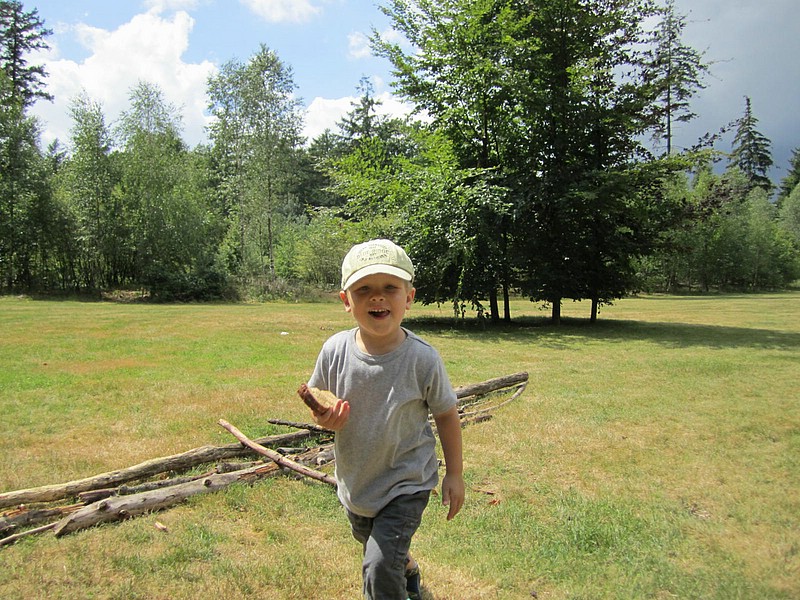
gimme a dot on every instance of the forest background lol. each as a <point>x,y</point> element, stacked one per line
<point>540,165</point>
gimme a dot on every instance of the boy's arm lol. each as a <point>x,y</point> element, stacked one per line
<point>453,490</point>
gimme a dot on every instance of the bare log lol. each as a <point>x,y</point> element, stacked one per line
<point>277,457</point>
<point>490,385</point>
<point>227,467</point>
<point>126,490</point>
<point>25,517</point>
<point>176,462</point>
<point>124,507</point>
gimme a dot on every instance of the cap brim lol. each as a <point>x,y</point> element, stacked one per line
<point>372,270</point>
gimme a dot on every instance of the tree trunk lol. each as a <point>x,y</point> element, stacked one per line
<point>506,303</point>
<point>556,314</point>
<point>494,309</point>
<point>595,303</point>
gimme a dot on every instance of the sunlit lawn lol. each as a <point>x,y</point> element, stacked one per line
<point>655,454</point>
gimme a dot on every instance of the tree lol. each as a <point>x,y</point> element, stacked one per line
<point>751,150</point>
<point>549,99</point>
<point>22,190</point>
<point>458,74</point>
<point>312,182</point>
<point>20,33</point>
<point>789,217</point>
<point>256,135</point>
<point>86,183</point>
<point>674,71</point>
<point>362,121</point>
<point>582,208</point>
<point>791,179</point>
<point>173,238</point>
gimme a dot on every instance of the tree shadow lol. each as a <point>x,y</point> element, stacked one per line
<point>538,331</point>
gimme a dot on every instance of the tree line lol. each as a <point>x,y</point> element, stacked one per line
<point>541,163</point>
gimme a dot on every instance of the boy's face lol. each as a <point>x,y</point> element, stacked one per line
<point>378,303</point>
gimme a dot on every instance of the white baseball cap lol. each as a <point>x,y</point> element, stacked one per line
<point>375,256</point>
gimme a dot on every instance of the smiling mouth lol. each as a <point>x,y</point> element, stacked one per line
<point>379,313</point>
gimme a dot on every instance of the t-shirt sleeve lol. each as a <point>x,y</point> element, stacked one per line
<point>440,394</point>
<point>318,379</point>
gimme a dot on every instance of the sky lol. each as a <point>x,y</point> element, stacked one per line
<point>104,47</point>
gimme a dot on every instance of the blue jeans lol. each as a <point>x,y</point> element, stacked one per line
<point>386,538</point>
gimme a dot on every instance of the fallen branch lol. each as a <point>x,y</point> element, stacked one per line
<point>296,425</point>
<point>121,507</point>
<point>13,538</point>
<point>124,507</point>
<point>23,516</point>
<point>277,457</point>
<point>490,385</point>
<point>514,396</point>
<point>125,490</point>
<point>176,462</point>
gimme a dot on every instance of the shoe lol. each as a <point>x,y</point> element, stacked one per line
<point>412,584</point>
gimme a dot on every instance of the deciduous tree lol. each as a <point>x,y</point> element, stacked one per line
<point>256,134</point>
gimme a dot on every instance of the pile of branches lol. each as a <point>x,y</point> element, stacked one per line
<point>109,497</point>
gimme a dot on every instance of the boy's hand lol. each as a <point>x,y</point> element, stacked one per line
<point>335,417</point>
<point>453,493</point>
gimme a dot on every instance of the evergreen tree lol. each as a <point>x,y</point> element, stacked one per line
<point>20,33</point>
<point>751,150</point>
<point>21,190</point>
<point>362,121</point>
<point>674,71</point>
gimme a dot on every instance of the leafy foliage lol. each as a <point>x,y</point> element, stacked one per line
<point>528,174</point>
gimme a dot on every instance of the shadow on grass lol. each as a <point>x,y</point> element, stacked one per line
<point>540,332</point>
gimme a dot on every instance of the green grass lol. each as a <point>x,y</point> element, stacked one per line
<point>655,454</point>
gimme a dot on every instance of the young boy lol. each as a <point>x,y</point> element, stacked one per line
<point>387,380</point>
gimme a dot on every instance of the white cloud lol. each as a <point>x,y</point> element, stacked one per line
<point>278,11</point>
<point>147,48</point>
<point>325,113</point>
<point>358,45</point>
<point>160,6</point>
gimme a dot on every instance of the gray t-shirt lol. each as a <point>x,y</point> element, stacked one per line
<point>387,447</point>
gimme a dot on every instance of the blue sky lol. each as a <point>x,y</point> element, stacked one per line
<point>105,46</point>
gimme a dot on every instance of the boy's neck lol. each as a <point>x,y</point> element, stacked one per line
<point>377,346</point>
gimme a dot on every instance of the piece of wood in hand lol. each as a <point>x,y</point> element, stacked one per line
<point>316,399</point>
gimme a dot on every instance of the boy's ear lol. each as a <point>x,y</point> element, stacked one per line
<point>410,297</point>
<point>345,300</point>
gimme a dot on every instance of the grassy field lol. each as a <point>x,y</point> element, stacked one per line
<point>655,454</point>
